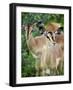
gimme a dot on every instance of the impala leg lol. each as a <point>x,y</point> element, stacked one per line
<point>37,66</point>
<point>43,63</point>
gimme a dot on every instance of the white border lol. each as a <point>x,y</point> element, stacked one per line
<point>24,80</point>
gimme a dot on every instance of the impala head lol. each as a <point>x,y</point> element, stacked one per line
<point>56,30</point>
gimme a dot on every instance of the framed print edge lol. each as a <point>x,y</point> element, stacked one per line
<point>70,44</point>
<point>12,41</point>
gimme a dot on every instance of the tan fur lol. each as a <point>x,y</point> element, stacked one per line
<point>60,40</point>
<point>52,27</point>
<point>46,53</point>
<point>38,47</point>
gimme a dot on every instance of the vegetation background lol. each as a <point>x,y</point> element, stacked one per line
<point>28,62</point>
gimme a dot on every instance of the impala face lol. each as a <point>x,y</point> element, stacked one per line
<point>51,37</point>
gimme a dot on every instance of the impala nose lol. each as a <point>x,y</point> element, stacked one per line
<point>54,43</point>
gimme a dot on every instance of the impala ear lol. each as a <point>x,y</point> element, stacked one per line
<point>61,29</point>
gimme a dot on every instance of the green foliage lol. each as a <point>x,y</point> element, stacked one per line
<point>46,18</point>
<point>28,62</point>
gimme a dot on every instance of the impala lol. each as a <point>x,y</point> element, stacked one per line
<point>46,52</point>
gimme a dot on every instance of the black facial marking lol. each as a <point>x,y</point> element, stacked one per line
<point>51,33</point>
<point>53,38</point>
<point>48,37</point>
